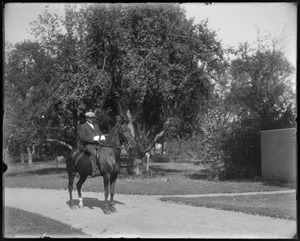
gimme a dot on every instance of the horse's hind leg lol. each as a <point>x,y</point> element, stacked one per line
<point>71,174</point>
<point>113,180</point>
<point>106,180</point>
<point>79,185</point>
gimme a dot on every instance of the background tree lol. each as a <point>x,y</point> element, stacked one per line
<point>26,75</point>
<point>76,85</point>
<point>260,98</point>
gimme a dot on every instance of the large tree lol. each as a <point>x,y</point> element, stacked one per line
<point>147,59</point>
<point>159,64</point>
<point>152,54</point>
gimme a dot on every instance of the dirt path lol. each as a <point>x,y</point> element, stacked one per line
<point>146,217</point>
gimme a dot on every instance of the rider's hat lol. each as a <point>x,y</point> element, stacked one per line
<point>90,114</point>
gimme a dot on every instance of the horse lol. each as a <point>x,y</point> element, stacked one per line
<point>108,162</point>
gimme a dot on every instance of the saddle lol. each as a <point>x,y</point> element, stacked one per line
<point>81,152</point>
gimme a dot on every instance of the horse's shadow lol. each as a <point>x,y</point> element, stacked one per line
<point>90,203</point>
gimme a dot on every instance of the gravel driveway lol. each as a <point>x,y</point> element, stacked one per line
<point>146,217</point>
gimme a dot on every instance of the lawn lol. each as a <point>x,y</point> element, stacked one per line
<point>162,179</point>
<point>275,205</point>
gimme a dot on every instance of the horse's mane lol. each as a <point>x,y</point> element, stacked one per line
<point>112,133</point>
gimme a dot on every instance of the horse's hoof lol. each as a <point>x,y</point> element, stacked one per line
<point>107,211</point>
<point>80,206</point>
<point>113,209</point>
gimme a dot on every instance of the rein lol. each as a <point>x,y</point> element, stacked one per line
<point>111,146</point>
<point>101,144</point>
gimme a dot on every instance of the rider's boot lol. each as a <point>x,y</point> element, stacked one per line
<point>95,169</point>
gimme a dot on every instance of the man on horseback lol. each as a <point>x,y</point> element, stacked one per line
<point>90,134</point>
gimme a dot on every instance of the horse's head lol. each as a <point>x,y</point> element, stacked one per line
<point>126,136</point>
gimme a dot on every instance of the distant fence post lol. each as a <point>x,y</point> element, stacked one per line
<point>278,154</point>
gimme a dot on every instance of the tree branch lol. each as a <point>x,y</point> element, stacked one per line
<point>142,152</point>
<point>152,143</point>
<point>61,142</point>
<point>104,62</point>
<point>167,125</point>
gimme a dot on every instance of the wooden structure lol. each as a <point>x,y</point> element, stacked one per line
<point>278,155</point>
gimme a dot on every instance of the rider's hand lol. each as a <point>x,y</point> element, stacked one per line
<point>96,138</point>
<point>102,138</point>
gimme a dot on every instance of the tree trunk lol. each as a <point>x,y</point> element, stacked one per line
<point>29,156</point>
<point>133,157</point>
<point>130,124</point>
<point>6,159</point>
<point>140,152</point>
<point>22,155</point>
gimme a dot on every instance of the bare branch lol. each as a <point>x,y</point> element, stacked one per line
<point>61,142</point>
<point>104,62</point>
<point>142,152</point>
<point>152,143</point>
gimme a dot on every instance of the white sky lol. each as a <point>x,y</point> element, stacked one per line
<point>233,22</point>
<point>236,22</point>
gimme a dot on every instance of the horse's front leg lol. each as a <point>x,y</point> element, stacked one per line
<point>79,185</point>
<point>113,180</point>
<point>70,187</point>
<point>106,180</point>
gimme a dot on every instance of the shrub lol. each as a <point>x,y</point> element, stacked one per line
<point>231,146</point>
<point>215,128</point>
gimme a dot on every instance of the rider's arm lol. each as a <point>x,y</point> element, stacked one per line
<point>102,137</point>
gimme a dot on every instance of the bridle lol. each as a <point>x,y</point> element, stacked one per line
<point>116,146</point>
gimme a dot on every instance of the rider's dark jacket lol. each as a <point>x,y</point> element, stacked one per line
<point>87,133</point>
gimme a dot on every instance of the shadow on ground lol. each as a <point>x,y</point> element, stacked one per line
<point>44,171</point>
<point>266,182</point>
<point>200,175</point>
<point>279,184</point>
<point>90,203</point>
<point>159,170</point>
